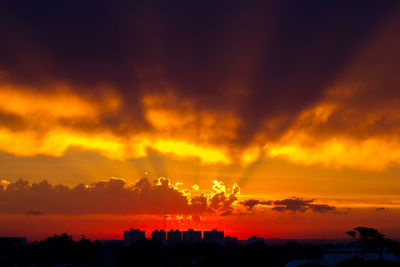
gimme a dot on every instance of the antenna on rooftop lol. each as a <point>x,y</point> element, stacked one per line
<point>164,220</point>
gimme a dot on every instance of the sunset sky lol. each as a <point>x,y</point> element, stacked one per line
<point>278,119</point>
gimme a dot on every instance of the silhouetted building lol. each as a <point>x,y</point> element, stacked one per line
<point>12,241</point>
<point>132,236</point>
<point>214,236</point>
<point>255,239</point>
<point>230,240</point>
<point>191,236</point>
<point>159,236</point>
<point>174,237</point>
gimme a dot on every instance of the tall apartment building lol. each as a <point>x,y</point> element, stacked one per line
<point>214,236</point>
<point>191,236</point>
<point>174,237</point>
<point>159,235</point>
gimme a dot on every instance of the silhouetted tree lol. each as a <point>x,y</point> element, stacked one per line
<point>353,234</point>
<point>369,238</point>
<point>62,239</point>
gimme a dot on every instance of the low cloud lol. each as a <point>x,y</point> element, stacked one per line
<point>298,204</point>
<point>34,213</point>
<point>119,197</point>
<point>114,196</point>
<point>290,204</point>
<point>251,203</point>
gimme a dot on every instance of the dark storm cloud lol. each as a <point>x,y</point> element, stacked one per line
<point>264,62</point>
<point>114,196</point>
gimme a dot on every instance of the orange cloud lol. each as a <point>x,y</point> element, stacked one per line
<point>50,128</point>
<point>183,149</point>
<point>307,142</point>
<point>338,153</point>
<point>333,132</point>
<point>60,102</point>
<point>52,122</point>
<point>240,96</point>
<point>177,117</point>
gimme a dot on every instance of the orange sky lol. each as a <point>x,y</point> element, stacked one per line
<point>295,109</point>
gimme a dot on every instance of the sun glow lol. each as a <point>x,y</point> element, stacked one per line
<point>185,149</point>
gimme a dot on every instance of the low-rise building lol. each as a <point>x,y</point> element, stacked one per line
<point>334,256</point>
<point>337,255</point>
<point>12,241</point>
<point>230,240</point>
<point>255,239</point>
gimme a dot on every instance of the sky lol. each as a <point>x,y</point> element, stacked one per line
<point>278,119</point>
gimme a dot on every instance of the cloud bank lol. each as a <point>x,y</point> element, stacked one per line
<point>118,197</point>
<point>114,196</point>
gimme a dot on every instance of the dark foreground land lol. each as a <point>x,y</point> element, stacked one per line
<point>63,250</point>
